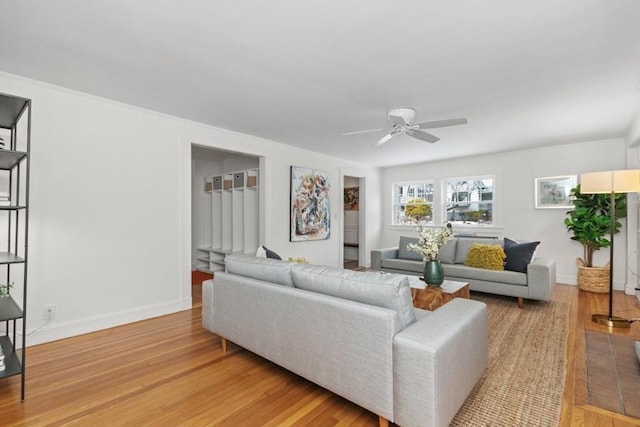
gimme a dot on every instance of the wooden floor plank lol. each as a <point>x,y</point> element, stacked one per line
<point>170,371</point>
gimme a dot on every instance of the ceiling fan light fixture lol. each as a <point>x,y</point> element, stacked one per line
<point>401,120</point>
<point>406,114</point>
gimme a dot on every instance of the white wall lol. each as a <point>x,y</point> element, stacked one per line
<point>110,226</point>
<point>514,212</point>
<point>278,158</point>
<point>632,139</point>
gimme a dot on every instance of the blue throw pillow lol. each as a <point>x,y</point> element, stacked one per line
<point>270,253</point>
<point>518,254</point>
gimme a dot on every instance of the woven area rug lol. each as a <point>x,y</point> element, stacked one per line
<point>524,380</point>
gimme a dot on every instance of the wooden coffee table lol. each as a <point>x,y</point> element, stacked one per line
<point>432,297</point>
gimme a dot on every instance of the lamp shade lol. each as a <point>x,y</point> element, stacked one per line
<point>620,181</point>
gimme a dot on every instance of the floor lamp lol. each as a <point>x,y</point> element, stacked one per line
<point>611,182</point>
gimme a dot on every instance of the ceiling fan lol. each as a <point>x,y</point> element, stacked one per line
<point>401,120</point>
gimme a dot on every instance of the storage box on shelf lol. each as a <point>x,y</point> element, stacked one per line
<point>15,130</point>
<point>252,178</point>
<point>234,226</point>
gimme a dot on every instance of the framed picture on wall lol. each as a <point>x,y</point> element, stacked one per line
<point>554,192</point>
<point>352,198</point>
<point>310,210</point>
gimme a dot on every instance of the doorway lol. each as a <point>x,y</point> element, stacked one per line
<point>208,207</point>
<point>353,250</point>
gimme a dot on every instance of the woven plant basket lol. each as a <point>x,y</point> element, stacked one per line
<point>593,279</point>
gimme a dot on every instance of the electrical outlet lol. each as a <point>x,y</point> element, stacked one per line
<point>49,312</point>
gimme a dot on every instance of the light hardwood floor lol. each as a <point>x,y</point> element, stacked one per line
<point>169,371</point>
<point>575,411</point>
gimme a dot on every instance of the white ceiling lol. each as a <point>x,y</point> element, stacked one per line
<point>524,73</point>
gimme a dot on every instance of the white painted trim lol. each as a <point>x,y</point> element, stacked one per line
<point>57,331</point>
<point>362,225</point>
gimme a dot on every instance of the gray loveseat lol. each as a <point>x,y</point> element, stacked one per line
<point>353,333</point>
<point>536,282</point>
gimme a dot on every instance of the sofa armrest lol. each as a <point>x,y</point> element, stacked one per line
<point>377,255</point>
<point>541,278</point>
<point>437,361</point>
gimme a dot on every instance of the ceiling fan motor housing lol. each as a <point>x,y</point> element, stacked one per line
<point>406,114</point>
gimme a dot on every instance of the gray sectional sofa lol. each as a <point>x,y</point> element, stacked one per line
<point>536,282</point>
<point>353,333</point>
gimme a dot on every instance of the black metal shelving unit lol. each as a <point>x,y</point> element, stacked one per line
<point>15,129</point>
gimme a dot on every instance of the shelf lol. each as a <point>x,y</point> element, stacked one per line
<point>10,108</point>
<point>15,117</point>
<point>9,309</point>
<point>235,227</point>
<point>221,251</point>
<point>9,258</point>
<point>12,364</point>
<point>9,159</point>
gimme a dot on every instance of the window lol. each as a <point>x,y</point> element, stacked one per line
<point>469,200</point>
<point>413,203</point>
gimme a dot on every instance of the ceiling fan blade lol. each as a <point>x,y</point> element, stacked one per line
<point>423,136</point>
<point>441,123</point>
<point>365,131</point>
<point>384,139</point>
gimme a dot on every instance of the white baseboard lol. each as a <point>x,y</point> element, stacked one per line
<point>567,279</point>
<point>573,280</point>
<point>86,325</point>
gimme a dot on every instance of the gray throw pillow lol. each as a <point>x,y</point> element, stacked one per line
<point>447,253</point>
<point>404,252</point>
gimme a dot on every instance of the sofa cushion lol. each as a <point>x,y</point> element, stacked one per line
<point>519,255</point>
<point>403,265</point>
<point>390,291</point>
<point>447,252</point>
<point>404,252</point>
<point>490,257</point>
<point>465,273</point>
<point>464,244</point>
<point>266,269</point>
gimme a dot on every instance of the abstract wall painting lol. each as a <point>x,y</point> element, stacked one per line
<point>310,205</point>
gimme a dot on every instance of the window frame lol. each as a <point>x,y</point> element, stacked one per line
<point>481,199</point>
<point>396,202</point>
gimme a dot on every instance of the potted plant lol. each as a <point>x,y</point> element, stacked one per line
<point>429,243</point>
<point>590,222</point>
<point>4,289</point>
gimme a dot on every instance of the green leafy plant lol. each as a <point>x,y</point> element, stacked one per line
<point>417,208</point>
<point>590,221</point>
<point>4,289</point>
